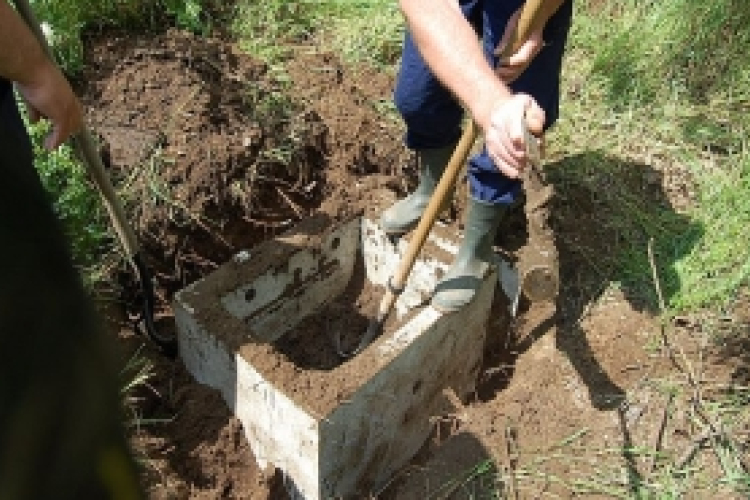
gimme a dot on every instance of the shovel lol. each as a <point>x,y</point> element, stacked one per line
<point>85,148</point>
<point>535,275</point>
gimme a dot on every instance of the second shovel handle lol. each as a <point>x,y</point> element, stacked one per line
<point>85,148</point>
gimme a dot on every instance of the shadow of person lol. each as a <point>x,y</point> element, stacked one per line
<point>605,214</point>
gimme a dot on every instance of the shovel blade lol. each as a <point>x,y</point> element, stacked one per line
<point>510,282</point>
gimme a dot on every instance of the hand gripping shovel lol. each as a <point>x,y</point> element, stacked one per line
<point>535,275</point>
<point>85,148</point>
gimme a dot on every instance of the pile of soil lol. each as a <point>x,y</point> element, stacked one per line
<point>190,131</point>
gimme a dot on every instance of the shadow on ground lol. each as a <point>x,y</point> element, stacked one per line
<point>605,214</point>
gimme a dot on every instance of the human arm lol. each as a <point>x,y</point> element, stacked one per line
<point>450,47</point>
<point>37,78</point>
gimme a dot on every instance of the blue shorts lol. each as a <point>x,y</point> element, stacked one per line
<point>432,114</point>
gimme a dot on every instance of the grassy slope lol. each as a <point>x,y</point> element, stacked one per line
<point>640,97</point>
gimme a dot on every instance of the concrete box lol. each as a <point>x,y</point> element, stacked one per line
<point>347,449</point>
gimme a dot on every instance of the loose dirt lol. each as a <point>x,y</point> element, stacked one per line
<point>307,363</point>
<point>312,345</point>
<point>216,154</point>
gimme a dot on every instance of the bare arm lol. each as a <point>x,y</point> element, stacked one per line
<point>42,85</point>
<point>451,49</point>
<point>21,56</point>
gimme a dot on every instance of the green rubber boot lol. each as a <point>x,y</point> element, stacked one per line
<point>475,256</point>
<point>404,215</point>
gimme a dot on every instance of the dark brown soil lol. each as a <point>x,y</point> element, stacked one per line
<point>305,363</point>
<point>215,155</point>
<point>315,343</point>
<point>310,363</point>
<point>210,159</point>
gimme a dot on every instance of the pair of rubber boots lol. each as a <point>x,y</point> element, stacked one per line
<point>460,284</point>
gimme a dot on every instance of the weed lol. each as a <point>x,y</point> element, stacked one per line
<point>135,376</point>
<point>715,270</point>
<point>691,50</point>
<point>75,200</point>
<point>188,14</point>
<point>266,29</point>
<point>369,31</point>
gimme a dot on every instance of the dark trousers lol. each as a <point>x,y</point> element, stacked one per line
<point>60,410</point>
<point>433,116</point>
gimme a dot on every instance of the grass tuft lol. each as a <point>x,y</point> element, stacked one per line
<point>75,200</point>
<point>66,20</point>
<point>363,30</point>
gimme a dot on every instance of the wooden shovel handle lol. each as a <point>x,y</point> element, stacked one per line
<point>529,21</point>
<point>85,148</point>
<point>442,191</point>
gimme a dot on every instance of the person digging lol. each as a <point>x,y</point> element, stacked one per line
<point>444,70</point>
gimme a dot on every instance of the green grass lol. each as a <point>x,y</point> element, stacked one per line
<point>366,30</point>
<point>716,268</point>
<point>358,30</point>
<point>694,51</point>
<point>629,106</point>
<point>76,202</point>
<point>69,18</point>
